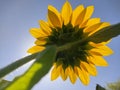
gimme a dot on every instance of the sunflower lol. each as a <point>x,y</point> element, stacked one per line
<point>67,26</point>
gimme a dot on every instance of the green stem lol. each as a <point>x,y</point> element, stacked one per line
<point>69,45</point>
<point>6,70</point>
<point>104,34</point>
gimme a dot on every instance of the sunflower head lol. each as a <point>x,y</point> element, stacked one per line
<point>67,26</point>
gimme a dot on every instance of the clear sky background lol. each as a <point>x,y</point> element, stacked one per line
<point>18,16</point>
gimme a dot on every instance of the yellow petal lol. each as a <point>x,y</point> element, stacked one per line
<point>97,60</point>
<point>101,50</point>
<point>96,45</point>
<point>106,42</point>
<point>90,68</point>
<point>54,16</point>
<point>87,14</point>
<point>67,71</point>
<point>66,12</point>
<point>55,73</point>
<point>76,13</point>
<point>71,74</point>
<point>37,33</point>
<point>83,76</point>
<point>62,73</point>
<point>40,42</point>
<point>91,22</point>
<point>49,22</point>
<point>44,26</point>
<point>94,28</point>
<point>75,70</point>
<point>84,15</point>
<point>99,44</point>
<point>35,49</point>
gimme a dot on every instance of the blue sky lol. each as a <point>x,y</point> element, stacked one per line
<point>18,16</point>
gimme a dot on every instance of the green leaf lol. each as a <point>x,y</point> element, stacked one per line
<point>105,34</point>
<point>98,87</point>
<point>3,83</point>
<point>39,68</point>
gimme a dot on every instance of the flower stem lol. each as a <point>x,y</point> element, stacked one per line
<point>6,70</point>
<point>69,45</point>
<point>11,67</point>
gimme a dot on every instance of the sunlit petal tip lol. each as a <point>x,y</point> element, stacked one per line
<point>90,9</point>
<point>86,14</point>
<point>67,5</point>
<point>40,22</point>
<point>72,75</point>
<point>66,12</point>
<point>81,6</point>
<point>92,21</point>
<point>105,65</point>
<point>62,73</point>
<point>76,13</point>
<point>98,60</point>
<point>104,24</point>
<point>83,75</point>
<point>45,27</point>
<point>90,68</point>
<point>106,42</point>
<point>36,49</point>
<point>96,27</point>
<point>40,42</point>
<point>54,73</point>
<point>64,77</point>
<point>110,52</point>
<point>73,81</point>
<point>35,32</point>
<point>86,84</point>
<point>102,51</point>
<point>54,16</point>
<point>49,22</point>
<point>52,8</point>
